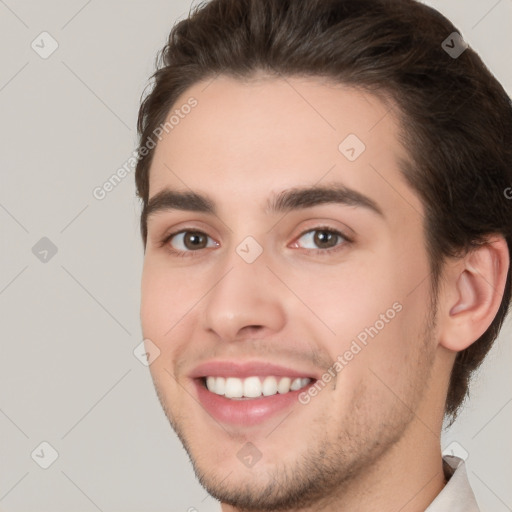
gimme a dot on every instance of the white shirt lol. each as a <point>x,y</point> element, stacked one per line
<point>457,495</point>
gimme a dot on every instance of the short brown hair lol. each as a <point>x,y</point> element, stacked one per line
<point>456,119</point>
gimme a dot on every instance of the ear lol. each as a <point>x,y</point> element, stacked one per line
<point>471,294</point>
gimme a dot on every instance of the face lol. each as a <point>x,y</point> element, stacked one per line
<point>288,322</point>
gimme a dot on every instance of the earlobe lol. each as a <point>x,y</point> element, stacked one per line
<point>474,298</point>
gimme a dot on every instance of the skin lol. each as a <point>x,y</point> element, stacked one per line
<point>370,439</point>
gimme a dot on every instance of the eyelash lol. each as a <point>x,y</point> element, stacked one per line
<point>323,252</point>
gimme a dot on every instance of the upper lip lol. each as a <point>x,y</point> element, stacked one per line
<point>246,369</point>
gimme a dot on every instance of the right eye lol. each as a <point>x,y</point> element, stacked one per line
<point>185,242</point>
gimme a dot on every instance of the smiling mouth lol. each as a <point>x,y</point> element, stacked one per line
<point>254,387</point>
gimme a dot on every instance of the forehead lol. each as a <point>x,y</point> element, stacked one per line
<point>243,140</point>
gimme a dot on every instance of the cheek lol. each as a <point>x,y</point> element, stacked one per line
<point>374,307</point>
<point>349,297</point>
<point>152,299</point>
<point>164,299</point>
<point>391,355</point>
<point>162,306</point>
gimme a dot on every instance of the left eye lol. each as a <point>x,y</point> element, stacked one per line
<point>323,238</point>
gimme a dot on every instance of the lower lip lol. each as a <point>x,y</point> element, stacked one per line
<point>245,412</point>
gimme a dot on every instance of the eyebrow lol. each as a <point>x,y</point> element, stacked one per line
<point>282,202</point>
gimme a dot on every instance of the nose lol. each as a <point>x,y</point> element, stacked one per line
<point>245,302</point>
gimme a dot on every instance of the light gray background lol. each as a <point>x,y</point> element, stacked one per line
<point>68,375</point>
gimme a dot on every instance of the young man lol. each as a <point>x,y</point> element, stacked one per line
<point>327,236</point>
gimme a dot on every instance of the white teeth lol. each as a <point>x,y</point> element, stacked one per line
<point>284,385</point>
<point>296,384</point>
<point>269,386</point>
<point>219,385</point>
<point>254,387</point>
<point>234,388</point>
<point>210,383</point>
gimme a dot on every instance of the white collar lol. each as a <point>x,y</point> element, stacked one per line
<point>457,495</point>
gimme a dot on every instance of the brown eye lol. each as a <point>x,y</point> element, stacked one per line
<point>322,240</point>
<point>325,239</point>
<point>189,241</point>
<point>194,240</point>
